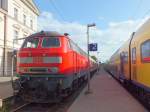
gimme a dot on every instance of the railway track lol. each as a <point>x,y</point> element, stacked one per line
<point>19,107</point>
<point>56,107</point>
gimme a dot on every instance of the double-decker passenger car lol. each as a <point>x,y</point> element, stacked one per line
<point>49,66</point>
<point>131,63</point>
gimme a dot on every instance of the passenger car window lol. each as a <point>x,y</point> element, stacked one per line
<point>124,57</point>
<point>50,42</point>
<point>145,51</point>
<point>31,43</point>
<point>133,55</point>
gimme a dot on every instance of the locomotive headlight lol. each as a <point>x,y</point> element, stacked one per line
<point>53,70</point>
<point>22,69</point>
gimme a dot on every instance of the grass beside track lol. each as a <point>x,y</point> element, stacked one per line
<point>6,105</point>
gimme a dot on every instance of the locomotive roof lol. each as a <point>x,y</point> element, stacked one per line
<point>46,33</point>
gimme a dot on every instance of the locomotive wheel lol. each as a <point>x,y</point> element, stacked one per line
<point>75,84</point>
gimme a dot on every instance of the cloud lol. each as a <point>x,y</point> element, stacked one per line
<point>109,40</point>
<point>101,18</point>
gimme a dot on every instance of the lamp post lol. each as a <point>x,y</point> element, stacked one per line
<point>88,75</point>
<point>98,61</point>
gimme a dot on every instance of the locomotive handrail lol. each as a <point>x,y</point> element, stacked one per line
<point>14,54</point>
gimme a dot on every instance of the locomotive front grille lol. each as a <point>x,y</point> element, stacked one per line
<point>39,70</point>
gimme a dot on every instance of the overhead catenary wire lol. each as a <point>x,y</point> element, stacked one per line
<point>143,17</point>
<point>134,14</point>
<point>146,13</point>
<point>57,10</point>
<point>136,9</point>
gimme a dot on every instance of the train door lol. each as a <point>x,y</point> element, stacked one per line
<point>133,65</point>
<point>121,65</point>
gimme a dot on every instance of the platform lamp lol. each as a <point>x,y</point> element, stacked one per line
<point>98,59</point>
<point>88,74</point>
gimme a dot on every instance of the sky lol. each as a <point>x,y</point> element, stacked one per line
<point>115,21</point>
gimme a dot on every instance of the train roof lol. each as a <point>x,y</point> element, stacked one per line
<point>46,33</point>
<point>142,30</point>
<point>123,47</point>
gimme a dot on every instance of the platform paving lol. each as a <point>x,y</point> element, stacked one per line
<point>6,79</point>
<point>5,90</point>
<point>107,96</point>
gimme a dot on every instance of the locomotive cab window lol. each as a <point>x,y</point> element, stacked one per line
<point>50,42</point>
<point>31,43</point>
<point>145,51</point>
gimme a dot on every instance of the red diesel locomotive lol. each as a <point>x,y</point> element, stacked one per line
<point>50,65</point>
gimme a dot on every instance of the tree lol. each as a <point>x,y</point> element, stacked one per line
<point>94,57</point>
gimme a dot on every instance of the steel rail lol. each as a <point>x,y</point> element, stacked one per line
<point>20,107</point>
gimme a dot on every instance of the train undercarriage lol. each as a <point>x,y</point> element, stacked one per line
<point>140,92</point>
<point>47,89</point>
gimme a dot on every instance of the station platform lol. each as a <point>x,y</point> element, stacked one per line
<point>6,90</point>
<point>107,96</point>
<point>6,79</point>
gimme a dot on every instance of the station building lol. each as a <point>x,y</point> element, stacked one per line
<point>18,19</point>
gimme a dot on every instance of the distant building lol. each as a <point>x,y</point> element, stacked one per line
<point>18,19</point>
